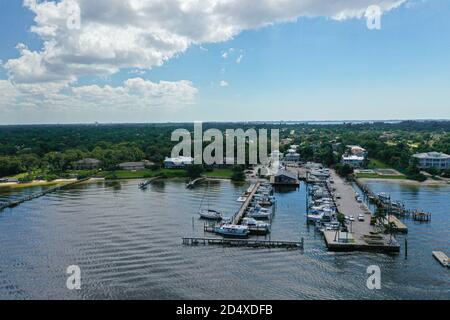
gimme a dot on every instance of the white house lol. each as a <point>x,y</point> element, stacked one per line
<point>435,160</point>
<point>292,156</point>
<point>353,160</point>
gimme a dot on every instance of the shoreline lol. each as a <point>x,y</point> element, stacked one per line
<point>426,183</point>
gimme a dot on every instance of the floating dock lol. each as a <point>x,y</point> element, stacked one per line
<point>442,258</point>
<point>243,243</point>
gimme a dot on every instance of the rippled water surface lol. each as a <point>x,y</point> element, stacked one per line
<point>127,243</point>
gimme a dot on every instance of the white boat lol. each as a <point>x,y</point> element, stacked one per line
<point>232,230</point>
<point>258,213</point>
<point>255,223</point>
<point>315,217</point>
<point>210,214</point>
<point>241,199</point>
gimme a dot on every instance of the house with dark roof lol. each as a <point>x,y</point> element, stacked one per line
<point>87,164</point>
<point>134,166</point>
<point>284,177</point>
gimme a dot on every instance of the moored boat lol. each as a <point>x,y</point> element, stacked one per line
<point>232,230</point>
<point>210,214</point>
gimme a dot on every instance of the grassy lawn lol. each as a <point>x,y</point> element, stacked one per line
<point>377,164</point>
<point>377,176</point>
<point>220,173</point>
<point>123,174</point>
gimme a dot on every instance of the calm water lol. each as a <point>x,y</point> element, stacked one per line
<point>127,243</point>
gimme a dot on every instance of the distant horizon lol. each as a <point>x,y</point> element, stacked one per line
<point>362,121</point>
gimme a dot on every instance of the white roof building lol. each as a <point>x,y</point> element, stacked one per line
<point>435,160</point>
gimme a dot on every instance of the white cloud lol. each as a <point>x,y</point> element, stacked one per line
<point>225,55</point>
<point>134,93</point>
<point>142,34</point>
<point>223,83</point>
<point>239,59</point>
<point>145,33</point>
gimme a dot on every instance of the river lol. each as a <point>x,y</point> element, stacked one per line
<point>127,243</point>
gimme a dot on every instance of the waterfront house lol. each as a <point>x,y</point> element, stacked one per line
<point>356,151</point>
<point>134,166</point>
<point>284,177</point>
<point>178,163</point>
<point>292,156</point>
<point>436,160</point>
<point>87,164</point>
<point>354,156</point>
<point>353,160</point>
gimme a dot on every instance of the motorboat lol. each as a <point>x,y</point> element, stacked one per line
<point>232,230</point>
<point>253,223</point>
<point>258,213</point>
<point>210,214</point>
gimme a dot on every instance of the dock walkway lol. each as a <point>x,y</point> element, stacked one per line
<point>240,214</point>
<point>15,203</point>
<point>191,184</point>
<point>243,243</point>
<point>442,258</point>
<point>361,232</point>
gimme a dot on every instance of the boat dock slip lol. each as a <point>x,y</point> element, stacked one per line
<point>240,214</point>
<point>362,235</point>
<point>442,258</point>
<point>243,243</point>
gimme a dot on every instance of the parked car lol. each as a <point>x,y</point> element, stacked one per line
<point>360,217</point>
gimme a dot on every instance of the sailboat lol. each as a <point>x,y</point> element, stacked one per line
<point>208,213</point>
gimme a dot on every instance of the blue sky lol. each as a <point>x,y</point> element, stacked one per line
<point>315,68</point>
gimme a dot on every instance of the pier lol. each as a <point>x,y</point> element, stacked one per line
<point>146,183</point>
<point>191,184</point>
<point>243,243</point>
<point>442,258</point>
<point>362,236</point>
<point>15,203</point>
<point>240,214</point>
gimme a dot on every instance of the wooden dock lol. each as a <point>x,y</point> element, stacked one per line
<point>240,214</point>
<point>398,225</point>
<point>442,258</point>
<point>15,203</point>
<point>243,243</point>
<point>146,183</point>
<point>191,184</point>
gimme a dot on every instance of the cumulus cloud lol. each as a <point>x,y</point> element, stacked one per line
<point>223,83</point>
<point>99,38</point>
<point>114,34</point>
<point>133,93</point>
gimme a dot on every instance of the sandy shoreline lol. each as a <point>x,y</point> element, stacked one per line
<point>40,183</point>
<point>429,182</point>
